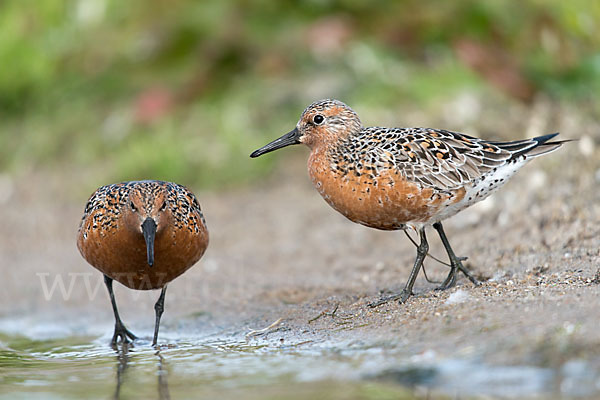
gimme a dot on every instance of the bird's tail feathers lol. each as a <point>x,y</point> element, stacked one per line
<point>533,147</point>
<point>544,145</point>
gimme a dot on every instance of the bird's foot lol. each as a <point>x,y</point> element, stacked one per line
<point>450,280</point>
<point>458,264</point>
<point>123,333</point>
<point>401,297</point>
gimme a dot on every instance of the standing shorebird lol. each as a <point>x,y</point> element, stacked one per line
<point>395,178</point>
<point>142,234</point>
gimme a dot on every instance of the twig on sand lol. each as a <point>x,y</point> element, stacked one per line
<point>259,332</point>
<point>331,314</point>
<point>345,327</point>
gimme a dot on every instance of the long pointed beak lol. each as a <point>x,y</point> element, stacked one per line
<point>292,137</point>
<point>149,232</point>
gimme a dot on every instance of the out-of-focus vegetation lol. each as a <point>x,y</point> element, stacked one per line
<point>184,90</point>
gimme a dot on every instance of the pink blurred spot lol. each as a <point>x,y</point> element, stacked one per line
<point>153,104</point>
<point>329,35</point>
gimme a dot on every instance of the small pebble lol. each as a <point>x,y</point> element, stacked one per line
<point>460,296</point>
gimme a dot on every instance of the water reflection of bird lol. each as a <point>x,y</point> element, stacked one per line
<point>143,234</point>
<point>394,178</point>
<point>123,365</point>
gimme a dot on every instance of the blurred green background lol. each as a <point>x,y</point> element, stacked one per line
<point>184,90</point>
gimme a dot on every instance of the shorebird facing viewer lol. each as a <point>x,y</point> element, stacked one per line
<point>143,234</point>
<point>394,178</point>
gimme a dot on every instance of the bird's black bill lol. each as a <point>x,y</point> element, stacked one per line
<point>149,232</point>
<point>288,139</point>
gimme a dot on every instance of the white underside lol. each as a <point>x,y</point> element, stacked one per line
<point>482,188</point>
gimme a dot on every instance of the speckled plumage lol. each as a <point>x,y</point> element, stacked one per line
<point>114,244</point>
<point>388,178</point>
<point>142,234</point>
<point>392,178</point>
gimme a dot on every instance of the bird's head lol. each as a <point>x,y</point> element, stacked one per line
<point>147,212</point>
<point>322,123</point>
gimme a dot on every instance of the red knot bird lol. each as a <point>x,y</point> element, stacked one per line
<point>395,178</point>
<point>142,234</point>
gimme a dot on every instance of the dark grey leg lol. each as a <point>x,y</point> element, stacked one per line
<point>120,330</point>
<point>159,307</point>
<point>455,262</point>
<point>422,250</point>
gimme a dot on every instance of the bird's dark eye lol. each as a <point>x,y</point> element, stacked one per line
<point>133,208</point>
<point>318,119</point>
<point>164,206</point>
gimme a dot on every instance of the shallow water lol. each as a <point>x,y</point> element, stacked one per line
<point>79,367</point>
<point>228,365</point>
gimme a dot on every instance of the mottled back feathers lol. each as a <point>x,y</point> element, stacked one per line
<point>432,158</point>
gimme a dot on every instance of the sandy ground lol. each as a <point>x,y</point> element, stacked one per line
<point>278,251</point>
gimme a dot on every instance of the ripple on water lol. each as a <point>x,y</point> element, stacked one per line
<point>71,366</point>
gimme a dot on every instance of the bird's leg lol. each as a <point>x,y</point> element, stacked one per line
<point>422,250</point>
<point>159,307</point>
<point>120,330</point>
<point>455,262</point>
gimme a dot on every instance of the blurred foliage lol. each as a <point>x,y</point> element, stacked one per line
<point>184,90</point>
